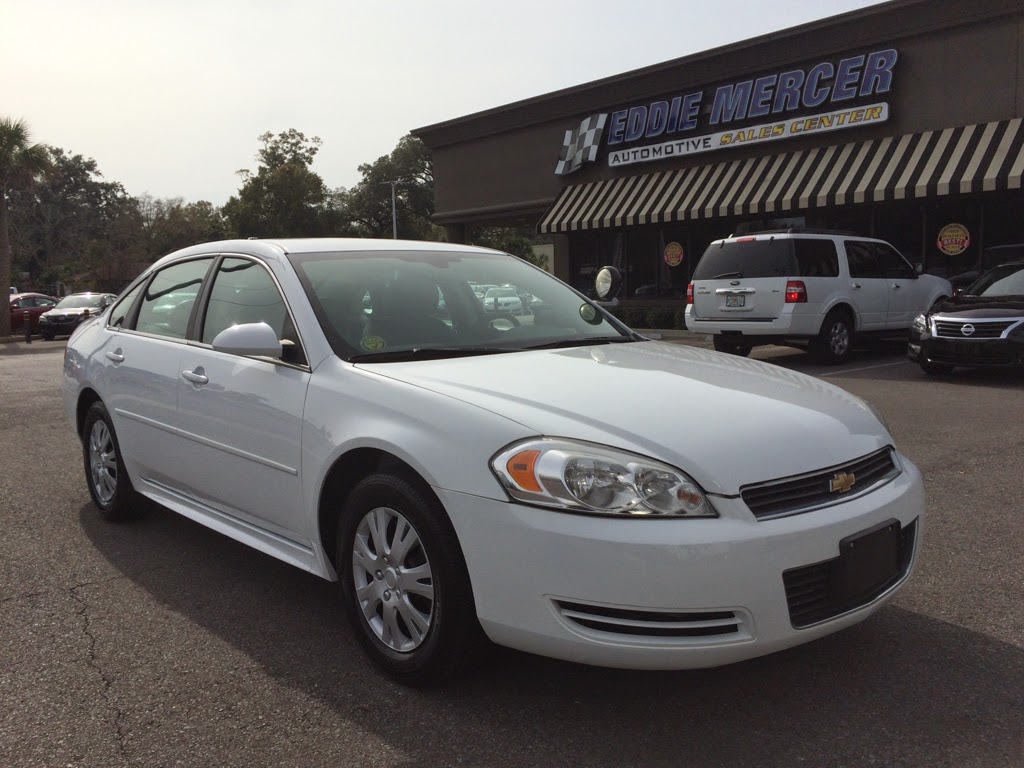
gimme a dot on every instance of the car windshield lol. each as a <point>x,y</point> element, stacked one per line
<point>75,301</point>
<point>1007,280</point>
<point>383,306</point>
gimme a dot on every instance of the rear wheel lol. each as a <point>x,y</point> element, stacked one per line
<point>108,482</point>
<point>404,581</point>
<point>725,344</point>
<point>834,341</point>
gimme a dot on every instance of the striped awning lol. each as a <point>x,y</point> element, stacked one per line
<point>974,158</point>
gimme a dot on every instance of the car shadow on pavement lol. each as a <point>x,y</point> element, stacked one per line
<point>900,689</point>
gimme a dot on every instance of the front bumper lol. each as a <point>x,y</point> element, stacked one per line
<point>547,582</point>
<point>976,353</point>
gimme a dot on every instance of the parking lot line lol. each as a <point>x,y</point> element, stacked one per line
<point>866,368</point>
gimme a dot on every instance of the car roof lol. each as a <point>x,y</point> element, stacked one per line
<point>26,294</point>
<point>276,249</point>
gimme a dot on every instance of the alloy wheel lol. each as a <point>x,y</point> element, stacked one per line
<point>393,580</point>
<point>839,339</point>
<point>102,462</point>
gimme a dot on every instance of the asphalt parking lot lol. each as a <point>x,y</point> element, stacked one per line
<point>161,643</point>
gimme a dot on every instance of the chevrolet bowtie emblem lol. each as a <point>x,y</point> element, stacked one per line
<point>841,482</point>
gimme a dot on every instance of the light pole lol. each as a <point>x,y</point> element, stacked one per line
<point>394,215</point>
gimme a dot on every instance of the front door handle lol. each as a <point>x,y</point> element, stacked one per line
<point>196,377</point>
<point>895,285</point>
<point>856,286</point>
<point>116,357</point>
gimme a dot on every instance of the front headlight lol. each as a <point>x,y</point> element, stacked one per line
<point>921,323</point>
<point>582,477</point>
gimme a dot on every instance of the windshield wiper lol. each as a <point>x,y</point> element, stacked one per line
<point>583,342</point>
<point>427,353</point>
<point>727,274</point>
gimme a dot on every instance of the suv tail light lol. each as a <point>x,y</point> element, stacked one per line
<point>796,292</point>
<point>689,294</point>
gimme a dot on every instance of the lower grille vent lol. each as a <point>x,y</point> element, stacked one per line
<point>664,624</point>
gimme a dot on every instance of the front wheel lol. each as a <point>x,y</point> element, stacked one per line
<point>108,482</point>
<point>724,344</point>
<point>834,341</point>
<point>404,581</point>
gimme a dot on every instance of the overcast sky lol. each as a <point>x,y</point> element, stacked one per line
<point>169,96</point>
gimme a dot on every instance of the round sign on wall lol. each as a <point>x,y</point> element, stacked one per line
<point>674,254</point>
<point>953,239</point>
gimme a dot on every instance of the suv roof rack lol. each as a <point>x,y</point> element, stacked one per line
<point>798,231</point>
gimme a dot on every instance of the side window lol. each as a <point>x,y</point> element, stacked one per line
<point>892,263</point>
<point>119,314</point>
<point>45,303</point>
<point>816,258</point>
<point>169,298</point>
<point>244,292</point>
<point>862,258</point>
<point>21,304</point>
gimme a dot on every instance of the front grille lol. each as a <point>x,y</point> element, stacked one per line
<point>810,595</point>
<point>802,493</point>
<point>992,353</point>
<point>640,623</point>
<point>983,329</point>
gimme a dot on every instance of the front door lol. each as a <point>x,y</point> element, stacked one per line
<point>868,286</point>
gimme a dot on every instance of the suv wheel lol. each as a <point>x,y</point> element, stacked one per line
<point>834,341</point>
<point>724,344</point>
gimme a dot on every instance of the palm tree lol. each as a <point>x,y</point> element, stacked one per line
<point>20,164</point>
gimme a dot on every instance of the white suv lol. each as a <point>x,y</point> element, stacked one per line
<point>810,288</point>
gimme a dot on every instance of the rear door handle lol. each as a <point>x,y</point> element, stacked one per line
<point>116,357</point>
<point>196,376</point>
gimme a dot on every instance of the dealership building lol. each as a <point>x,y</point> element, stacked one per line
<point>901,121</point>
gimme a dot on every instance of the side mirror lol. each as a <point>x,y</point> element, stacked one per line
<point>919,268</point>
<point>255,339</point>
<point>608,283</point>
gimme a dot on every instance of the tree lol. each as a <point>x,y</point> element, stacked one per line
<point>170,224</point>
<point>284,198</point>
<point>507,239</point>
<point>66,223</point>
<point>368,204</point>
<point>20,164</point>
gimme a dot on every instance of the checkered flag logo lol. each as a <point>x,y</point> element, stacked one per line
<point>581,144</point>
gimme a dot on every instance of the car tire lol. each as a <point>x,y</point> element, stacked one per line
<point>47,336</point>
<point>724,344</point>
<point>109,485</point>
<point>834,341</point>
<point>413,611</point>
<point>936,369</point>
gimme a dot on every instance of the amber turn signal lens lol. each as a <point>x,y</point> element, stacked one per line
<point>520,468</point>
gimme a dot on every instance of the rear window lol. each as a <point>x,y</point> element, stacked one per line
<point>747,258</point>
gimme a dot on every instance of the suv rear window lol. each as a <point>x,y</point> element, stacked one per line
<point>747,258</point>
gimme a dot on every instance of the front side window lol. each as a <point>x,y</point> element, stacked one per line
<point>169,298</point>
<point>244,292</point>
<point>892,263</point>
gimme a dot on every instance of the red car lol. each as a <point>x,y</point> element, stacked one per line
<point>33,303</point>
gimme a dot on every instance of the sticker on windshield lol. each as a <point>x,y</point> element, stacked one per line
<point>372,343</point>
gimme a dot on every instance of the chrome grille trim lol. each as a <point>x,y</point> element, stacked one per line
<point>804,493</point>
<point>984,328</point>
<point>662,626</point>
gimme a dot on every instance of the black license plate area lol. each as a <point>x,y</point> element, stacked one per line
<point>867,562</point>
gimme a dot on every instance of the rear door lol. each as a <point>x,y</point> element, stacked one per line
<point>868,286</point>
<point>743,279</point>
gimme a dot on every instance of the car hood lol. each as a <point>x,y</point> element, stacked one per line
<point>69,311</point>
<point>725,420</point>
<point>984,306</point>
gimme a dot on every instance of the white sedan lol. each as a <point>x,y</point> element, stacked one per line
<point>567,487</point>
